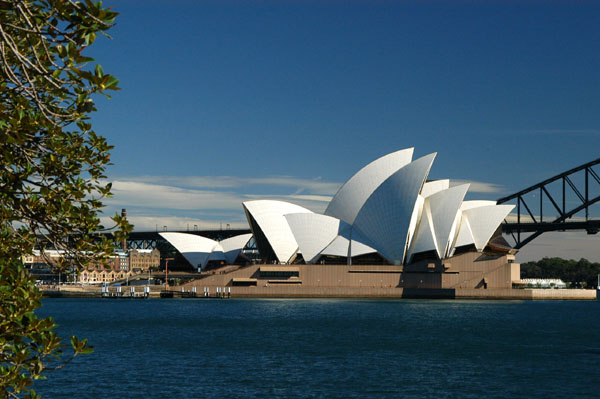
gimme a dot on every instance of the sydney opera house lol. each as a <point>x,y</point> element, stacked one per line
<point>387,228</point>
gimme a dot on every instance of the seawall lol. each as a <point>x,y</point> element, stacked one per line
<point>345,292</point>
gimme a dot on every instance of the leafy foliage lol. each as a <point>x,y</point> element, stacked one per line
<point>52,167</point>
<point>581,273</point>
<point>29,344</point>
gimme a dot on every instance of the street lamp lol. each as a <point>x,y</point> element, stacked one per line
<point>167,272</point>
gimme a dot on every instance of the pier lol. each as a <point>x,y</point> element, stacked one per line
<point>135,292</point>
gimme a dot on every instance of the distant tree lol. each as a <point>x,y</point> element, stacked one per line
<point>530,270</point>
<point>582,273</point>
<point>52,168</point>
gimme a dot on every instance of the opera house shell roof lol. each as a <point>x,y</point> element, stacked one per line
<point>388,207</point>
<point>198,250</point>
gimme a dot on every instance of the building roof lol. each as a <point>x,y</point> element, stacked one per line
<point>483,222</point>
<point>194,248</point>
<point>313,232</point>
<point>269,215</point>
<point>200,250</point>
<point>232,246</point>
<point>437,224</point>
<point>386,217</point>
<point>339,246</point>
<point>351,197</point>
<point>387,207</point>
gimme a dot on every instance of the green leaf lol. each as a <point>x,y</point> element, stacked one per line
<point>50,159</point>
<point>99,71</point>
<point>111,83</point>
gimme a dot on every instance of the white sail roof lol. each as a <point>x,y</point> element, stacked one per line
<point>464,236</point>
<point>313,232</point>
<point>194,248</point>
<point>339,247</point>
<point>350,198</point>
<point>269,215</point>
<point>385,218</point>
<point>387,207</point>
<point>466,205</point>
<point>443,207</point>
<point>484,220</point>
<point>437,223</point>
<point>424,238</point>
<point>414,219</point>
<point>232,246</point>
<point>434,186</point>
<point>217,254</point>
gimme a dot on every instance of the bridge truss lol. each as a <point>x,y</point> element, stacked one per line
<point>560,203</point>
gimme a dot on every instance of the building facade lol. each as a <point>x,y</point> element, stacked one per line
<point>120,266</point>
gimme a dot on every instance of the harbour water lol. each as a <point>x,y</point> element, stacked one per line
<point>257,348</point>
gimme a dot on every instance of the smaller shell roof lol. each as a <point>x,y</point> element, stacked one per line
<point>200,250</point>
<point>313,232</point>
<point>484,220</point>
<point>232,246</point>
<point>433,186</point>
<point>437,225</point>
<point>443,206</point>
<point>269,215</point>
<point>339,246</point>
<point>464,235</point>
<point>194,248</point>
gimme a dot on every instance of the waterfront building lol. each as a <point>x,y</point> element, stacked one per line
<point>143,260</point>
<point>387,208</point>
<point>543,283</point>
<point>387,227</point>
<point>121,265</point>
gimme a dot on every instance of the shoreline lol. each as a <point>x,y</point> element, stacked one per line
<point>215,292</point>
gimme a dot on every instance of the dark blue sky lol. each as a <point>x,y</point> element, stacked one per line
<point>506,92</point>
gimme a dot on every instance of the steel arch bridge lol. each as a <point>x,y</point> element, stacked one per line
<point>560,203</point>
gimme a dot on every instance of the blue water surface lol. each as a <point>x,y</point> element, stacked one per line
<point>258,348</point>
